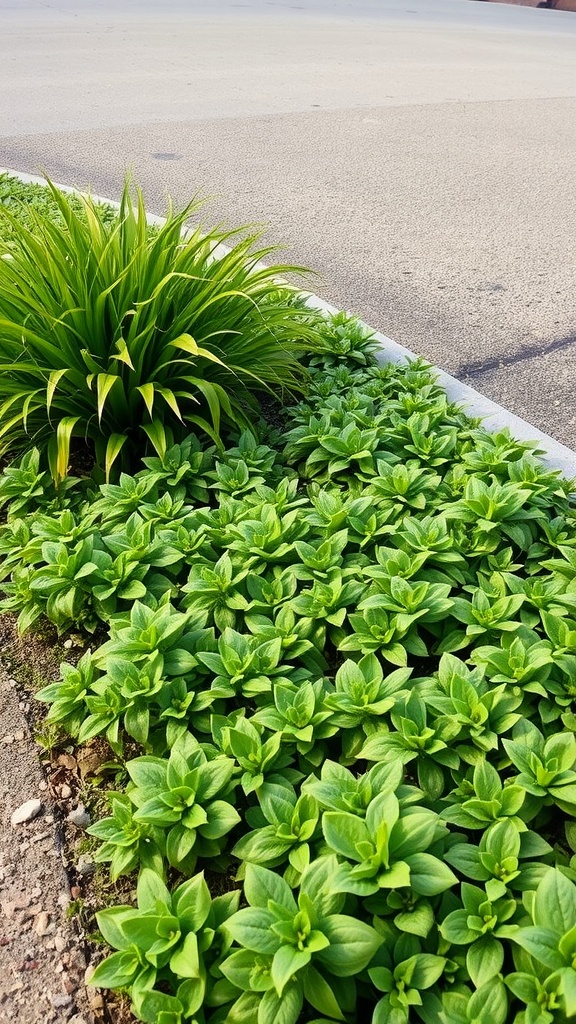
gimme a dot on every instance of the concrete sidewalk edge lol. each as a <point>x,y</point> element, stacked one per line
<point>494,417</point>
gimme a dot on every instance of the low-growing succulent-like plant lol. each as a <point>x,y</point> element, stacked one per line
<point>168,939</point>
<point>388,849</point>
<point>290,824</point>
<point>305,942</point>
<point>188,796</point>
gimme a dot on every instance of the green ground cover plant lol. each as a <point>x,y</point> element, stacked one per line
<point>338,681</point>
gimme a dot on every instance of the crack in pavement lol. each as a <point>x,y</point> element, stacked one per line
<point>477,367</point>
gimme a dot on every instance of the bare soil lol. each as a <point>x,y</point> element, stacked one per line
<point>47,903</point>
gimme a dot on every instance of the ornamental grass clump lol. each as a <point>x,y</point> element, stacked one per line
<point>128,337</point>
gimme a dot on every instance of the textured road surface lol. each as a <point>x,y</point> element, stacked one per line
<point>419,154</point>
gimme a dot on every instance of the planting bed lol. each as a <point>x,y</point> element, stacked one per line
<point>325,659</point>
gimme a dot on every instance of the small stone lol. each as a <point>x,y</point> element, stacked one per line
<point>60,1000</point>
<point>77,1019</point>
<point>19,735</point>
<point>88,973</point>
<point>41,923</point>
<point>68,644</point>
<point>49,819</point>
<point>85,865</point>
<point>79,817</point>
<point>43,785</point>
<point>65,792</point>
<point>26,812</point>
<point>8,739</point>
<point>75,892</point>
<point>60,942</point>
<point>95,1000</point>
<point>69,985</point>
<point>63,900</point>
<point>28,965</point>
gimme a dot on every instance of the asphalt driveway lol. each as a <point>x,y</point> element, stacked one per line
<point>419,154</point>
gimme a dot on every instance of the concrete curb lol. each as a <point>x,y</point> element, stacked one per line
<point>494,417</point>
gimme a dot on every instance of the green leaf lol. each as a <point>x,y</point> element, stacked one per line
<point>454,928</point>
<point>150,890</point>
<point>185,962</point>
<point>191,902</point>
<point>555,903</point>
<point>116,971</point>
<point>284,1009</point>
<point>542,944</point>
<point>428,968</point>
<point>157,434</point>
<point>484,960</point>
<point>252,928</point>
<point>114,446</point>
<point>287,961</point>
<point>352,945</point>
<point>418,921</point>
<point>147,392</point>
<point>110,925</point>
<point>568,989</point>
<point>222,817</point>
<point>262,885</point>
<point>104,384</point>
<point>489,1004</point>
<point>344,832</point>
<point>428,875</point>
<point>318,993</point>
<point>61,456</point>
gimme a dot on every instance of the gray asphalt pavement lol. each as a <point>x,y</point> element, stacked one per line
<point>419,154</point>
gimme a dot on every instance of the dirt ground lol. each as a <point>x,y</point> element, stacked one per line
<point>42,962</point>
<point>48,891</point>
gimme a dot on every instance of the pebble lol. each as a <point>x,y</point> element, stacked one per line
<point>79,817</point>
<point>60,942</point>
<point>65,792</point>
<point>26,812</point>
<point>77,1019</point>
<point>19,735</point>
<point>68,644</point>
<point>41,923</point>
<point>60,1000</point>
<point>43,785</point>
<point>85,865</point>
